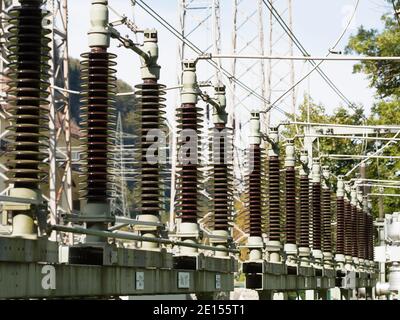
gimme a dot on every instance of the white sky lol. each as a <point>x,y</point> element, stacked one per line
<point>317,24</point>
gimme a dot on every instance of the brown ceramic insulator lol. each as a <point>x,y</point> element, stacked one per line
<point>326,220</point>
<point>188,174</point>
<point>360,233</point>
<point>340,228</point>
<point>290,205</point>
<point>264,191</point>
<point>304,212</point>
<point>254,181</point>
<point>97,122</point>
<point>348,229</point>
<point>371,237</point>
<point>150,100</point>
<point>222,192</point>
<point>366,232</point>
<point>354,229</point>
<point>316,215</point>
<point>365,235</point>
<point>274,199</point>
<point>28,47</point>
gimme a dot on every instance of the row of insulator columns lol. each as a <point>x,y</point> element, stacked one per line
<point>355,243</point>
<point>300,222</point>
<point>189,170</point>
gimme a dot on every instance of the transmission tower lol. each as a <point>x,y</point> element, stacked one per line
<point>60,175</point>
<point>256,31</point>
<point>4,6</point>
<point>119,201</point>
<point>59,195</point>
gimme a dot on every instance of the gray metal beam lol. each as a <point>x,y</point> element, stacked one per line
<point>34,280</point>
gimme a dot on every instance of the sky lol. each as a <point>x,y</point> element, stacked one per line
<point>316,23</point>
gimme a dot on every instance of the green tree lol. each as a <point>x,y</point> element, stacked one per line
<point>384,77</point>
<point>314,112</point>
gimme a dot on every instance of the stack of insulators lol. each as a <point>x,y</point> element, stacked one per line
<point>98,123</point>
<point>28,83</point>
<point>316,215</point>
<point>354,229</point>
<point>370,228</point>
<point>304,212</point>
<point>264,191</point>
<point>274,199</point>
<point>189,120</point>
<point>290,181</point>
<point>254,182</point>
<point>348,229</point>
<point>365,236</point>
<point>326,220</point>
<point>222,173</point>
<point>340,228</point>
<point>150,100</point>
<point>360,233</point>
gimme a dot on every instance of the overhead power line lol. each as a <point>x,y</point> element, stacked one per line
<point>197,50</point>
<point>298,58</point>
<point>298,44</point>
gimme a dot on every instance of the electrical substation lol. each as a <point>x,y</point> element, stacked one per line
<point>66,230</point>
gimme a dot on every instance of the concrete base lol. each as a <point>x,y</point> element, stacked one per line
<point>30,269</point>
<point>275,277</point>
<point>33,280</point>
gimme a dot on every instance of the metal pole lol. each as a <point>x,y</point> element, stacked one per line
<point>383,195</point>
<point>349,137</point>
<point>382,127</point>
<point>375,153</point>
<point>52,128</point>
<point>66,111</point>
<point>269,79</point>
<point>264,116</point>
<point>232,84</point>
<point>297,58</point>
<point>216,36</point>
<point>291,52</point>
<point>174,154</point>
<point>355,156</point>
<point>128,236</point>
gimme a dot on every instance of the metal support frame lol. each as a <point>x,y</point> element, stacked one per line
<point>60,150</point>
<point>65,281</point>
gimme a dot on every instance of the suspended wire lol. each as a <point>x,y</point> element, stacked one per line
<point>389,143</point>
<point>298,44</point>
<point>196,49</point>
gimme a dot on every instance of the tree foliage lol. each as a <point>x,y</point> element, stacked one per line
<point>384,77</point>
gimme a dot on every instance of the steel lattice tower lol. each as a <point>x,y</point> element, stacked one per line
<point>59,195</point>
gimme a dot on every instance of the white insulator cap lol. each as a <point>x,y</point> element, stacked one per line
<point>98,34</point>
<point>326,175</point>
<point>255,135</point>
<point>360,198</point>
<point>325,172</point>
<point>189,91</point>
<point>150,69</point>
<point>290,152</point>
<point>340,186</point>
<point>353,195</point>
<point>219,114</point>
<point>347,190</point>
<point>369,204</point>
<point>273,137</point>
<point>316,171</point>
<point>304,162</point>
